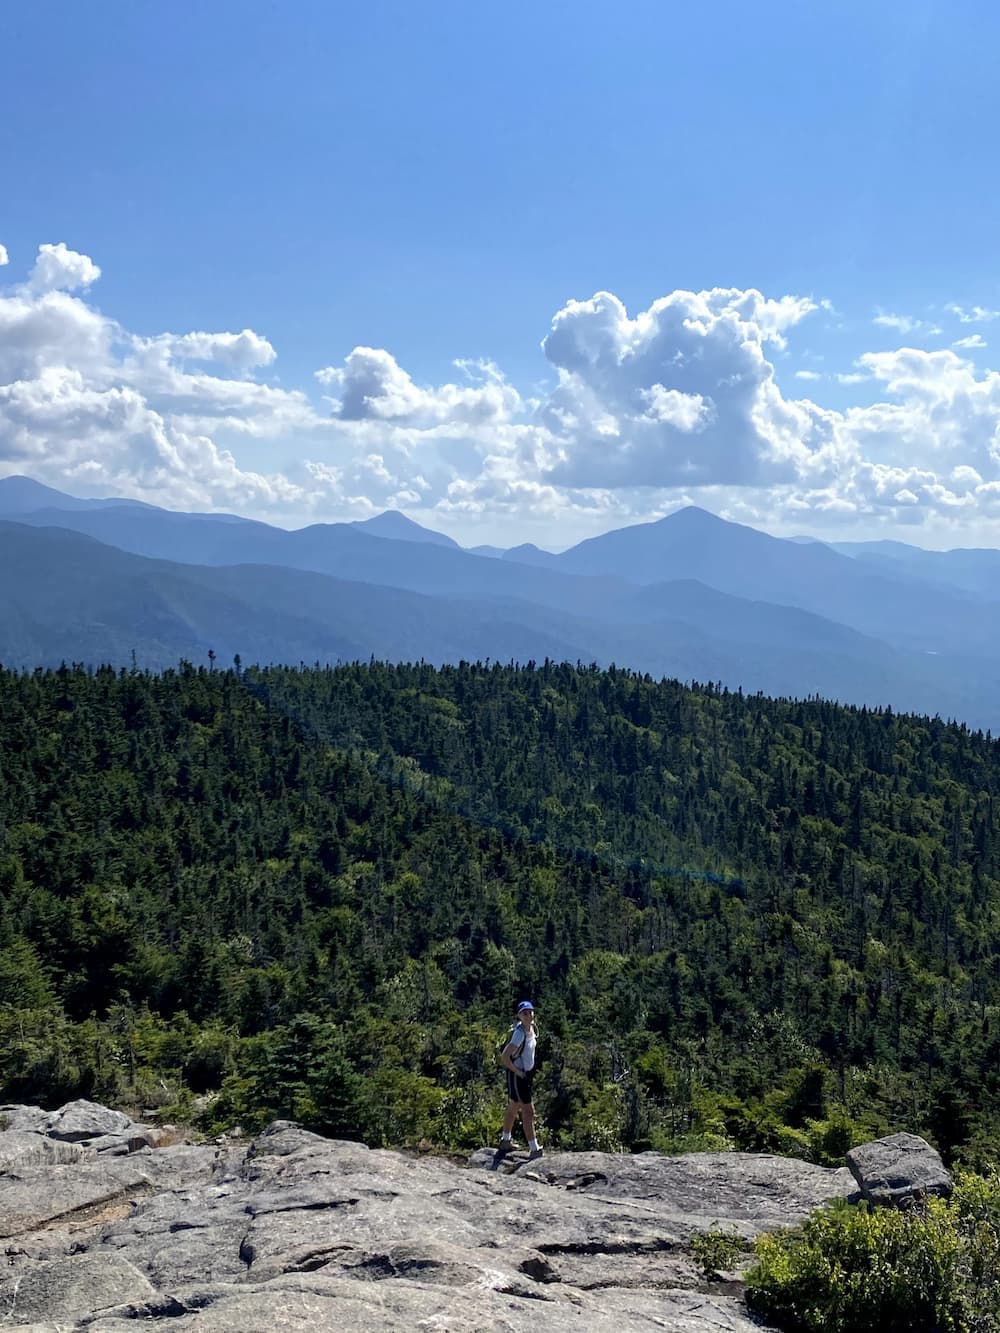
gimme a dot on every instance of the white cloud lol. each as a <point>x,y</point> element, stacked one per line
<point>774,317</point>
<point>971,343</point>
<point>50,329</point>
<point>4,257</point>
<point>905,324</point>
<point>60,269</point>
<point>925,453</point>
<point>372,386</point>
<point>686,412</point>
<point>82,399</point>
<point>238,351</point>
<point>966,476</point>
<point>901,323</point>
<point>680,401</point>
<point>705,350</point>
<point>975,314</point>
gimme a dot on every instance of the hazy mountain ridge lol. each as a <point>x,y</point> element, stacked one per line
<point>24,495</point>
<point>975,570</point>
<point>885,601</point>
<point>391,523</point>
<point>69,597</point>
<point>690,595</point>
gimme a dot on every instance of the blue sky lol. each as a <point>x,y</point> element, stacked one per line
<point>437,182</point>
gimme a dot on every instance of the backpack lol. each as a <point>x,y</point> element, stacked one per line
<point>506,1042</point>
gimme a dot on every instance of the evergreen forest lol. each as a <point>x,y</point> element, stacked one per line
<point>230,895</point>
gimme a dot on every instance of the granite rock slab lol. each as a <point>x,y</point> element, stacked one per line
<point>293,1231</point>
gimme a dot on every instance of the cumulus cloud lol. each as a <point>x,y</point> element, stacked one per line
<point>81,398</point>
<point>51,328</point>
<point>681,401</point>
<point>58,268</point>
<point>965,475</point>
<point>685,412</point>
<point>372,386</point>
<point>238,351</point>
<point>928,451</point>
<point>683,394</point>
<point>4,257</point>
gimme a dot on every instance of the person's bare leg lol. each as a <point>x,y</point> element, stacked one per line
<point>528,1120</point>
<point>510,1116</point>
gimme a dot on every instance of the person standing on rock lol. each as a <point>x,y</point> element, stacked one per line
<point>518,1058</point>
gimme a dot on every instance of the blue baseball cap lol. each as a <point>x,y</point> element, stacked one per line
<point>525,1004</point>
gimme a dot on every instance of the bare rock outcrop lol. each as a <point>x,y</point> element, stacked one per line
<point>85,1124</point>
<point>898,1169</point>
<point>70,1288</point>
<point>19,1149</point>
<point>82,1121</point>
<point>296,1231</point>
<point>23,1119</point>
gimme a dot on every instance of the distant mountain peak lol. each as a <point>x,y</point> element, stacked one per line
<point>394,525</point>
<point>24,495</point>
<point>530,554</point>
<point>694,516</point>
<point>693,512</point>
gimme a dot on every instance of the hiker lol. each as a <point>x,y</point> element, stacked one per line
<point>518,1058</point>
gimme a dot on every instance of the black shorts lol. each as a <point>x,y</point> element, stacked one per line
<point>519,1087</point>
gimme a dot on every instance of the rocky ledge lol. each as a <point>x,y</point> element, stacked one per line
<point>293,1231</point>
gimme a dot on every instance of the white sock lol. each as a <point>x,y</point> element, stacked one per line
<point>533,1145</point>
<point>505,1137</point>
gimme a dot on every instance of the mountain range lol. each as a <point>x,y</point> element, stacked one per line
<point>690,595</point>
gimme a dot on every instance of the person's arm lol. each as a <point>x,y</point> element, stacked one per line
<point>512,1048</point>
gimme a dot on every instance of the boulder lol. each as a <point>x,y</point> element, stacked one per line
<point>81,1120</point>
<point>142,1136</point>
<point>898,1169</point>
<point>19,1150</point>
<point>23,1119</point>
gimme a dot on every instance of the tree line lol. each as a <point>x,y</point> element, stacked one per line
<point>316,892</point>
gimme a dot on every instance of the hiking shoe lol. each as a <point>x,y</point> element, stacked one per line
<point>534,1155</point>
<point>505,1146</point>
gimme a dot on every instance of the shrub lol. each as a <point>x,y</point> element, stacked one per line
<point>933,1269</point>
<point>716,1251</point>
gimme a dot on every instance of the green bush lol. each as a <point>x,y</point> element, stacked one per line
<point>716,1251</point>
<point>934,1269</point>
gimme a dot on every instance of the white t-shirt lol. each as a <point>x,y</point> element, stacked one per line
<point>524,1060</point>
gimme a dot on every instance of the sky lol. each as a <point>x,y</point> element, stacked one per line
<point>526,272</point>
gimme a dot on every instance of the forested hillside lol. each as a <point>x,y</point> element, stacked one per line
<point>745,922</point>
